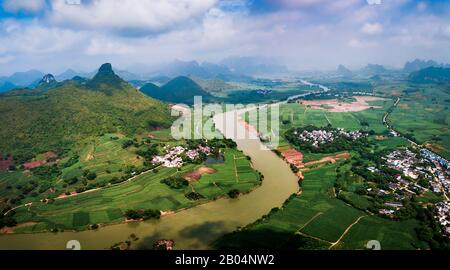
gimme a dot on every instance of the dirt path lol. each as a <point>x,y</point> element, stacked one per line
<point>313,237</point>
<point>10,230</point>
<point>332,159</point>
<point>346,231</point>
<point>309,221</point>
<point>328,120</point>
<point>235,169</point>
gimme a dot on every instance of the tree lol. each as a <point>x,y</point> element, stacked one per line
<point>234,193</point>
<point>91,176</point>
<point>127,144</point>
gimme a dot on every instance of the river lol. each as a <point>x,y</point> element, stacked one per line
<point>194,228</point>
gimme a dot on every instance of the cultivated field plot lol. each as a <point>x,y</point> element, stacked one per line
<point>321,218</point>
<point>108,205</point>
<point>391,235</point>
<point>235,173</point>
<point>424,114</point>
<point>9,181</point>
<point>310,213</point>
<point>360,103</point>
<point>105,157</point>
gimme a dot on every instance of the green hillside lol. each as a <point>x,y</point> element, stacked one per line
<point>149,89</point>
<point>431,75</point>
<point>213,85</point>
<point>179,90</point>
<point>55,119</point>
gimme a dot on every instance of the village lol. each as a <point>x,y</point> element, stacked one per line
<point>319,137</point>
<point>420,173</point>
<point>174,156</point>
<point>427,166</point>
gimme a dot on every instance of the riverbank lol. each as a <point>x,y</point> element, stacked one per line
<point>194,228</point>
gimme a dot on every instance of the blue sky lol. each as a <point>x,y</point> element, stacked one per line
<point>53,35</point>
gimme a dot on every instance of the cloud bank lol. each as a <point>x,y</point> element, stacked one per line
<point>54,35</point>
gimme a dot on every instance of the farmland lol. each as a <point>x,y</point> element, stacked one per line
<point>423,115</point>
<point>317,219</point>
<point>299,115</point>
<point>333,210</point>
<point>108,205</point>
<point>102,156</point>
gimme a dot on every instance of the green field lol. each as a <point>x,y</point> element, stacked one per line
<point>321,218</point>
<point>107,205</point>
<point>424,114</point>
<point>391,235</point>
<point>104,156</point>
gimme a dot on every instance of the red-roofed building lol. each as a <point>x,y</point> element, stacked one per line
<point>292,156</point>
<point>34,164</point>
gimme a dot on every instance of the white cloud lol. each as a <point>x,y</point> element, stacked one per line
<point>129,15</point>
<point>421,6</point>
<point>372,28</point>
<point>374,2</point>
<point>31,6</point>
<point>82,37</point>
<point>359,44</point>
<point>6,59</point>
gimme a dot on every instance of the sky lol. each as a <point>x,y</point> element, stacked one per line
<point>53,35</point>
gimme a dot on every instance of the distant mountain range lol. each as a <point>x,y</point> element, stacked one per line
<point>418,64</point>
<point>232,68</point>
<point>193,68</point>
<point>431,75</point>
<point>252,66</point>
<point>36,121</point>
<point>20,79</point>
<point>374,69</point>
<point>236,69</point>
<point>343,71</point>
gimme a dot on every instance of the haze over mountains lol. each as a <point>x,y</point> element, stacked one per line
<point>230,69</point>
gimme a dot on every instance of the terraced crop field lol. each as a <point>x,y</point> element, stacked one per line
<point>107,205</point>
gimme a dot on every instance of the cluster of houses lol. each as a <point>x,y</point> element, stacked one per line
<point>415,166</point>
<point>442,169</point>
<point>405,160</point>
<point>401,188</point>
<point>399,191</point>
<point>318,137</point>
<point>443,216</point>
<point>174,156</point>
<point>432,167</point>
